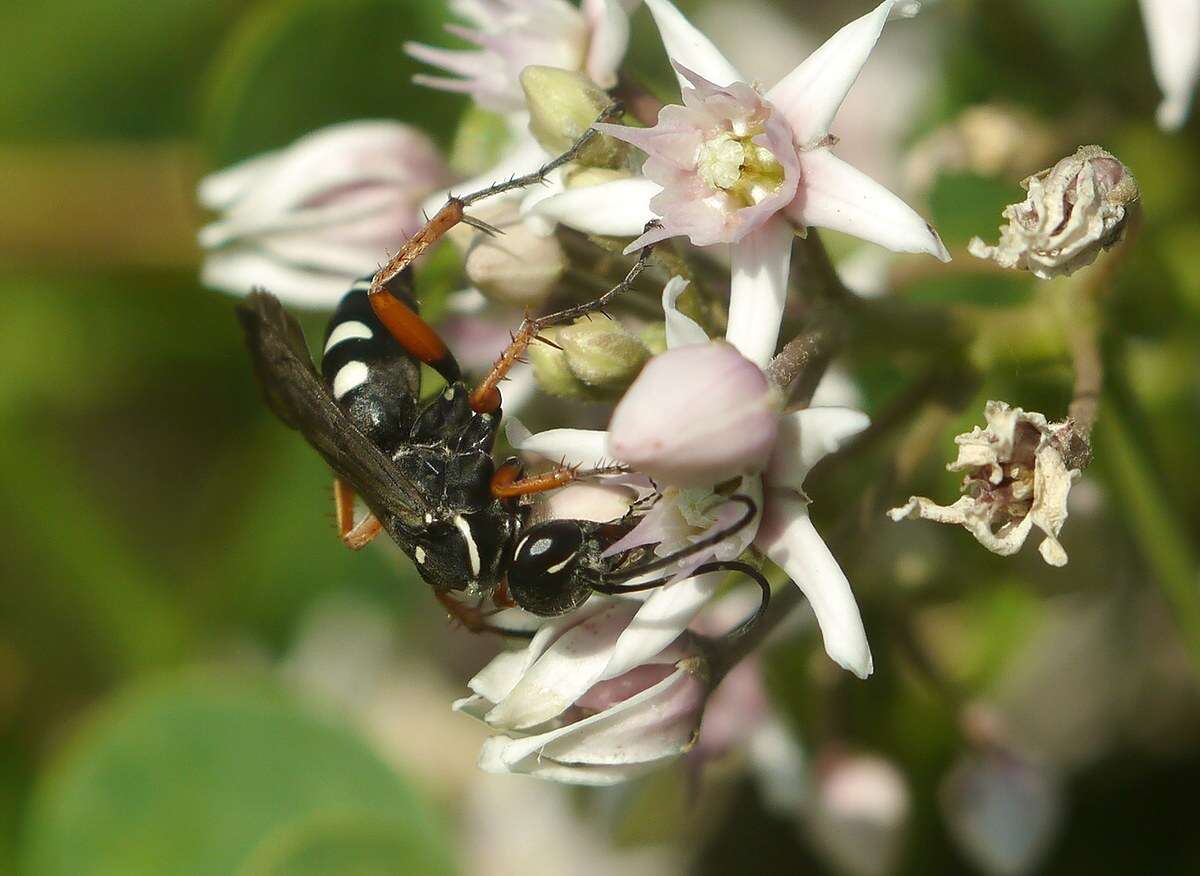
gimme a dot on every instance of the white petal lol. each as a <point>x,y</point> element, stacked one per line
<point>681,328</point>
<point>241,270</point>
<point>570,666</point>
<point>758,290</point>
<point>219,191</point>
<point>837,196</point>
<point>524,156</point>
<point>592,738</point>
<point>609,40</point>
<point>1173,29</point>
<point>789,538</point>
<point>620,208</point>
<point>811,94</point>
<point>686,45</point>
<point>583,447</point>
<point>660,620</point>
<point>808,436</point>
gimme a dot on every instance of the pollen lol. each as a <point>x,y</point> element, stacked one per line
<point>741,168</point>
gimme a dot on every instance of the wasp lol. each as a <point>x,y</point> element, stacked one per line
<point>426,473</point>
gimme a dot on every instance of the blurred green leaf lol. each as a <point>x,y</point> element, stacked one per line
<point>984,290</point>
<point>346,847</point>
<point>191,775</point>
<point>965,205</point>
<point>296,65</point>
<point>105,68</point>
<point>1078,28</point>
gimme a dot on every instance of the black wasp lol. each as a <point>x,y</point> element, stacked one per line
<point>426,474</point>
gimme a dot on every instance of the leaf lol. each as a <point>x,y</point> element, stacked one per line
<point>292,67</point>
<point>965,205</point>
<point>192,774</point>
<point>340,845</point>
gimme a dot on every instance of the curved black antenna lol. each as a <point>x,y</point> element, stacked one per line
<point>606,578</point>
<point>716,566</point>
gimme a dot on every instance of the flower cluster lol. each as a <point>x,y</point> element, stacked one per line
<point>703,427</point>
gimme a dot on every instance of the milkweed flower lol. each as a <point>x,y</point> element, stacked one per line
<point>1173,31</point>
<point>307,220</point>
<point>510,35</point>
<point>782,530</point>
<point>1016,477</point>
<point>736,166</point>
<point>560,719</point>
<point>1075,210</point>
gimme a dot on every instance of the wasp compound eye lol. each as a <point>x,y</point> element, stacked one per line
<point>544,577</point>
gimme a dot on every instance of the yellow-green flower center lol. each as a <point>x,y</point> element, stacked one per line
<point>739,167</point>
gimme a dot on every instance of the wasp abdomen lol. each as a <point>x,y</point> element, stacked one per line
<point>371,377</point>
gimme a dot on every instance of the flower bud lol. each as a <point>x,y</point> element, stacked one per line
<point>597,359</point>
<point>1074,210</point>
<point>859,813</point>
<point>1002,811</point>
<point>562,105</point>
<point>518,267</point>
<point>696,416</point>
<point>1016,477</point>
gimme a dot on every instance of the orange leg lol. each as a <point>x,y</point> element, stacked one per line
<point>355,536</point>
<point>413,333</point>
<point>506,486</point>
<point>485,398</point>
<point>475,618</point>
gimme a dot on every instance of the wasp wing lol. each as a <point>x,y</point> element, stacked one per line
<point>296,394</point>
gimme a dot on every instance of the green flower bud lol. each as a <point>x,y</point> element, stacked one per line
<point>562,105</point>
<point>654,336</point>
<point>595,359</point>
<point>518,267</point>
<point>602,354</point>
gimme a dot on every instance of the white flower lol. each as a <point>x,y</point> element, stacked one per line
<point>1016,478</point>
<point>514,34</point>
<point>784,531</point>
<point>1173,30</point>
<point>1074,211</point>
<point>736,166</point>
<point>567,714</point>
<point>307,220</point>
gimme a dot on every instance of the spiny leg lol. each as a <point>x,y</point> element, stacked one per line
<point>509,481</point>
<point>453,211</point>
<point>486,396</point>
<point>355,536</point>
<point>475,618</point>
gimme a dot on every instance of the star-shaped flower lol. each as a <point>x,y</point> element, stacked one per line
<point>736,166</point>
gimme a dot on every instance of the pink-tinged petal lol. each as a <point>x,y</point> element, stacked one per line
<point>620,208</point>
<point>696,416</point>
<point>609,26</point>
<point>583,447</point>
<point>238,270</point>
<point>808,436</point>
<point>660,621</point>
<point>686,45</point>
<point>567,669</point>
<point>811,94</point>
<point>758,290</point>
<point>657,724</point>
<point>599,503</point>
<point>788,537</point>
<point>1173,30</point>
<point>837,196</point>
<point>221,190</point>
<point>681,328</point>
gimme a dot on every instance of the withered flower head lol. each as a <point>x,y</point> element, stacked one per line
<point>1074,210</point>
<point>1016,477</point>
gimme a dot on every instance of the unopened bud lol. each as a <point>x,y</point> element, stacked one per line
<point>517,267</point>
<point>860,813</point>
<point>1075,210</point>
<point>696,416</point>
<point>596,359</point>
<point>562,106</point>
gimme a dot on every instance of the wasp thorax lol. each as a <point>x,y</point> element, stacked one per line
<point>543,578</point>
